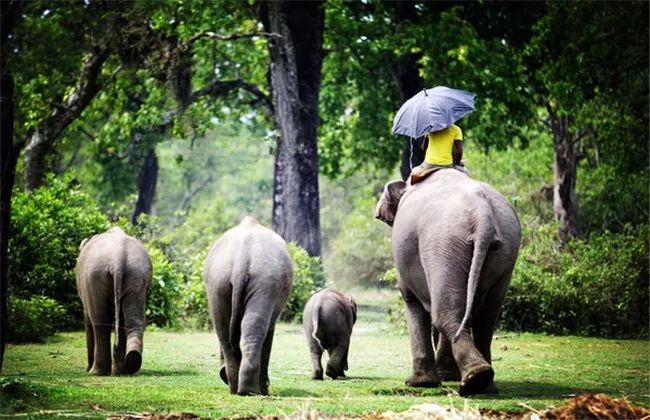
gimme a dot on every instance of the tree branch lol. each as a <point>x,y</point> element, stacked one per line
<point>219,88</point>
<point>231,37</point>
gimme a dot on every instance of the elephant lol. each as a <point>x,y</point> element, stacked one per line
<point>328,319</point>
<point>454,242</point>
<point>248,276</point>
<point>113,274</point>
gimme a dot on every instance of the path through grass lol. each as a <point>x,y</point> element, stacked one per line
<point>179,374</point>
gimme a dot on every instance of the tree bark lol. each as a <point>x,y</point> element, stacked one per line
<point>295,75</point>
<point>565,201</point>
<point>8,160</point>
<point>42,139</point>
<point>146,185</point>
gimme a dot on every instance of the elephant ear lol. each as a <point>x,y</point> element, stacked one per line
<point>353,306</point>
<point>389,200</point>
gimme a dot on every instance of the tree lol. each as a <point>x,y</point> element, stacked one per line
<point>295,77</point>
<point>590,69</point>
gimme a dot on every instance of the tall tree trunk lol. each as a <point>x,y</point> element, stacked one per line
<point>9,16</point>
<point>146,185</point>
<point>409,82</point>
<point>295,75</point>
<point>8,160</point>
<point>49,130</point>
<point>565,201</point>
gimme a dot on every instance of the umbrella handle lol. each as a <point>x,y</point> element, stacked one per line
<point>425,92</point>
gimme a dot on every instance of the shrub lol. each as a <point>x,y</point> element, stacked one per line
<point>194,300</point>
<point>34,319</point>
<point>596,287</point>
<point>47,227</point>
<point>164,294</point>
<point>308,276</point>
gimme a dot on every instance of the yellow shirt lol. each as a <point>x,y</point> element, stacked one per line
<point>440,145</point>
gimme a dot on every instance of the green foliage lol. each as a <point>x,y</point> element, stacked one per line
<point>308,277</point>
<point>164,294</point>
<point>361,252</point>
<point>194,299</point>
<point>35,319</point>
<point>593,287</point>
<point>47,227</point>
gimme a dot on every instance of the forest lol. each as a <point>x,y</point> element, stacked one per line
<point>176,119</point>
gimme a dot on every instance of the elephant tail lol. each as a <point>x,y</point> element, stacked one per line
<point>314,322</point>
<point>239,280</point>
<point>118,276</point>
<point>482,237</point>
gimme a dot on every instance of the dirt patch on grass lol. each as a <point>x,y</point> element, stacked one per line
<point>596,407</point>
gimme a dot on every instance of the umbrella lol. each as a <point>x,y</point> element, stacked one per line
<point>432,110</point>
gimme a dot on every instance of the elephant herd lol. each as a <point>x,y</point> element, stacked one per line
<point>455,243</point>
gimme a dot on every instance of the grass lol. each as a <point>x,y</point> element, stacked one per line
<point>180,374</point>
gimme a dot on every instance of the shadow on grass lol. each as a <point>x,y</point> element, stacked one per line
<point>167,372</point>
<point>535,390</point>
<point>292,392</point>
<point>404,391</point>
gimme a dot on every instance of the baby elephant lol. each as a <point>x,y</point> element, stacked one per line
<point>113,276</point>
<point>328,319</point>
<point>248,275</point>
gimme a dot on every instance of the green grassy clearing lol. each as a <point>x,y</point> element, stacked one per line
<point>179,374</point>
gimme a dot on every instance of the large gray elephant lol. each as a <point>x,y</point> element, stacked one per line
<point>113,276</point>
<point>248,276</point>
<point>455,242</point>
<point>328,319</point>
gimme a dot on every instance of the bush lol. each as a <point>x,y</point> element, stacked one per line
<point>34,319</point>
<point>308,276</point>
<point>47,227</point>
<point>595,287</point>
<point>164,294</point>
<point>194,300</point>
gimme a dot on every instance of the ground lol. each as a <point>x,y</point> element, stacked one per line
<point>180,374</point>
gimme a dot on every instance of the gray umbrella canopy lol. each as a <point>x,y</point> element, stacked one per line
<point>432,110</point>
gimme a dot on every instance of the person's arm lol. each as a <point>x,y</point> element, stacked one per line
<point>457,152</point>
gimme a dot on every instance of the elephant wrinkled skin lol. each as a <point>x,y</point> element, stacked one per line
<point>113,276</point>
<point>455,242</point>
<point>248,276</point>
<point>328,319</point>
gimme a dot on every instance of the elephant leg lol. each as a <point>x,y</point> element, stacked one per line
<point>119,349</point>
<point>90,341</point>
<point>102,356</point>
<point>485,323</point>
<point>316,356</point>
<point>133,308</point>
<point>100,313</point>
<point>419,325</point>
<point>254,330</point>
<point>266,357</point>
<point>220,312</point>
<point>445,363</point>
<point>448,310</point>
<point>337,362</point>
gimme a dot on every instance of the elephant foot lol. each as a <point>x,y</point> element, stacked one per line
<point>449,374</point>
<point>249,391</point>
<point>317,375</point>
<point>333,373</point>
<point>423,381</point>
<point>99,372</point>
<point>223,375</point>
<point>133,362</point>
<point>477,381</point>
